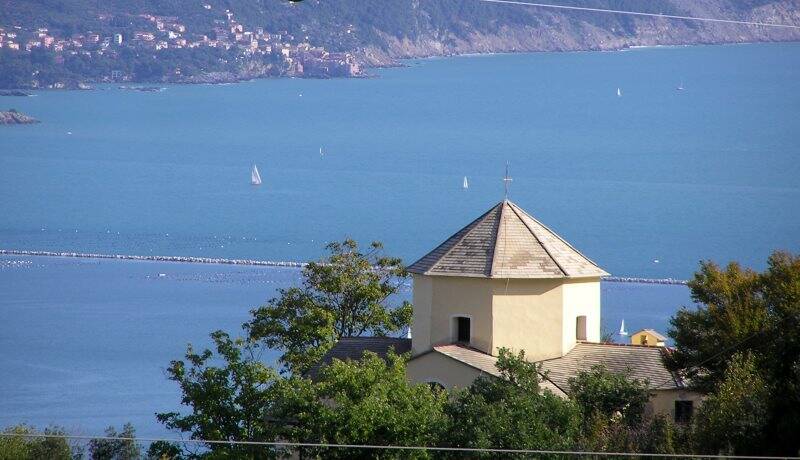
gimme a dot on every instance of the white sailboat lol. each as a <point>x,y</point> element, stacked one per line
<point>321,153</point>
<point>680,87</point>
<point>622,330</point>
<point>255,177</point>
<point>619,92</point>
<point>466,183</point>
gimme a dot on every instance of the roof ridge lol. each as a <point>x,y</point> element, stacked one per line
<point>541,243</point>
<point>469,228</point>
<point>502,205</point>
<point>555,234</point>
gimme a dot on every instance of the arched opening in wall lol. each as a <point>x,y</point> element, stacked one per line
<point>580,328</point>
<point>462,329</point>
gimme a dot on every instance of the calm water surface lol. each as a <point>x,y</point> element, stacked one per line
<point>657,174</point>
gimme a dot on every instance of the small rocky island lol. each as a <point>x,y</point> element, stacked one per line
<point>12,117</point>
<point>14,93</point>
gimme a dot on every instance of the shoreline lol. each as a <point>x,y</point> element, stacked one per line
<point>397,62</point>
<point>263,263</point>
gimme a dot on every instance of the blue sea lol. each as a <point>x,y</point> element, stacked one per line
<point>646,184</point>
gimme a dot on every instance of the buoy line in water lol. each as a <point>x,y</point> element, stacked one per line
<point>261,263</point>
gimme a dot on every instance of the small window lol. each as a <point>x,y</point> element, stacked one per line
<point>462,329</point>
<point>580,328</point>
<point>683,411</point>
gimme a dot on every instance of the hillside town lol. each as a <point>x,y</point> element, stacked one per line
<point>288,55</point>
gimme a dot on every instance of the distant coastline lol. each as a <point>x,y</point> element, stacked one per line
<point>261,263</point>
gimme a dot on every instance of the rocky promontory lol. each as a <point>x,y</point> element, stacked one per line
<point>12,117</point>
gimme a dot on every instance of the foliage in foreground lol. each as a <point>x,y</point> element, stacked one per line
<point>21,447</point>
<point>233,395</point>
<point>748,328</point>
<point>510,412</point>
<point>345,295</point>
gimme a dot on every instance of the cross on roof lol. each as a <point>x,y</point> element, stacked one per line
<point>507,180</point>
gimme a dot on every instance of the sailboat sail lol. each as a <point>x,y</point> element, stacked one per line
<point>466,183</point>
<point>619,92</point>
<point>255,177</point>
<point>622,330</point>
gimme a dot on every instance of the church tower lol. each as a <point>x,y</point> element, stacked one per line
<point>506,280</point>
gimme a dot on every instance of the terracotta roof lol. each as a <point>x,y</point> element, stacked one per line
<point>484,362</point>
<point>643,363</point>
<point>352,348</point>
<point>654,333</point>
<point>506,242</point>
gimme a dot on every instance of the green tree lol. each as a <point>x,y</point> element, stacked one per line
<point>732,420</point>
<point>600,393</point>
<point>344,295</point>
<point>116,449</point>
<point>24,447</point>
<point>164,450</point>
<point>227,402</point>
<point>746,312</point>
<point>510,412</point>
<point>734,312</point>
<point>368,401</point>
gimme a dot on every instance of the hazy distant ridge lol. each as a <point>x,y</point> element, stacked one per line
<point>381,30</point>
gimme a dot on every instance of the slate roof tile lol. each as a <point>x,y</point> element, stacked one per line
<point>506,242</point>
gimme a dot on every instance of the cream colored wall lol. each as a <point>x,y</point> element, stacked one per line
<point>663,401</point>
<point>461,296</point>
<point>581,298</point>
<point>435,367</point>
<point>421,324</point>
<point>527,315</point>
<point>537,315</point>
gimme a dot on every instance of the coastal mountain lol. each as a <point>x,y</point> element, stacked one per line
<point>251,38</point>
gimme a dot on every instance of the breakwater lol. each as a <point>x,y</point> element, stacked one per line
<point>184,259</point>
<point>262,263</point>
<point>626,279</point>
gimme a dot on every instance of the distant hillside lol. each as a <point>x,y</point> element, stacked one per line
<point>377,32</point>
<point>401,28</point>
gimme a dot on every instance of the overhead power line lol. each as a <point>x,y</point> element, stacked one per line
<point>639,13</point>
<point>378,447</point>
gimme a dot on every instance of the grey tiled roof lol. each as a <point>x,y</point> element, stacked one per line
<point>643,363</point>
<point>352,348</point>
<point>506,242</point>
<point>484,362</point>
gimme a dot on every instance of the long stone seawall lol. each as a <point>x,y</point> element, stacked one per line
<point>185,259</point>
<point>262,263</point>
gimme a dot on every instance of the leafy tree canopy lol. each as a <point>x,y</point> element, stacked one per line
<point>510,412</point>
<point>732,419</point>
<point>369,401</point>
<point>605,394</point>
<point>22,447</point>
<point>345,295</point>
<point>227,401</point>
<point>757,314</point>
